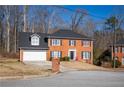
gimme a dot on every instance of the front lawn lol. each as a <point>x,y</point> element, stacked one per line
<point>15,68</point>
<point>81,65</point>
<point>88,67</point>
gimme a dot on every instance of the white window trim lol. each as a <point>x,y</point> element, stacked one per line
<point>74,53</point>
<point>56,54</point>
<point>72,42</point>
<point>116,50</point>
<point>86,43</point>
<point>56,42</point>
<point>35,40</point>
<point>122,49</point>
<point>86,55</point>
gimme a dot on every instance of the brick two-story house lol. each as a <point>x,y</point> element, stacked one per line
<point>118,52</point>
<point>41,46</point>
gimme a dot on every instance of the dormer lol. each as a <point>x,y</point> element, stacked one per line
<point>35,40</point>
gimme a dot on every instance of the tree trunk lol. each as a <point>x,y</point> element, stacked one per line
<point>15,39</point>
<point>8,35</point>
<point>1,37</point>
<point>50,22</point>
<point>24,18</point>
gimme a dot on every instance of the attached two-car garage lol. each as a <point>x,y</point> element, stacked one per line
<point>34,55</point>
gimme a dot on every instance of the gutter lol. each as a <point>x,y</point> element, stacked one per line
<point>70,38</point>
<point>28,48</point>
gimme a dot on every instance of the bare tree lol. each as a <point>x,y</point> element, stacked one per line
<point>88,27</point>
<point>16,16</point>
<point>77,18</point>
<point>1,28</point>
<point>7,16</point>
<point>49,18</point>
<point>25,10</point>
<point>119,14</point>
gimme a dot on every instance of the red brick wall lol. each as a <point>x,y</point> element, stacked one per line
<point>119,54</point>
<point>65,47</point>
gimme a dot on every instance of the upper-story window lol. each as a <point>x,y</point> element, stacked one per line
<point>86,43</point>
<point>116,50</point>
<point>122,49</point>
<point>35,40</point>
<point>72,42</point>
<point>56,42</point>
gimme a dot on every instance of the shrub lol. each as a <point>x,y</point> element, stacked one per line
<point>61,59</point>
<point>51,58</point>
<point>10,55</point>
<point>64,58</point>
<point>117,63</point>
<point>97,63</point>
<point>107,58</point>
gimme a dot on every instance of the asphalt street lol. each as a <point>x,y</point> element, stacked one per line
<point>71,79</point>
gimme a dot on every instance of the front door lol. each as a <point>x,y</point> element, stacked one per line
<point>71,55</point>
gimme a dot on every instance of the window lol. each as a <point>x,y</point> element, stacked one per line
<point>72,42</point>
<point>86,55</point>
<point>56,42</point>
<point>35,40</point>
<point>55,53</point>
<point>116,50</point>
<point>86,43</point>
<point>122,49</point>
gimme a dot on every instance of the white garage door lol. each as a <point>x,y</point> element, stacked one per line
<point>34,55</point>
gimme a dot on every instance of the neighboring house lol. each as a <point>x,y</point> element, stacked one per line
<point>119,51</point>
<point>41,46</point>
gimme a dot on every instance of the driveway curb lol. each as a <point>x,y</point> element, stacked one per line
<point>23,77</point>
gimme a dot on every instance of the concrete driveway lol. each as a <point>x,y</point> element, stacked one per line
<point>72,79</point>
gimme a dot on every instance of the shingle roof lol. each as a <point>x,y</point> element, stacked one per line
<point>68,34</point>
<point>25,43</point>
<point>120,42</point>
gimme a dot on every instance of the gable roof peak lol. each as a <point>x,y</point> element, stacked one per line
<point>35,34</point>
